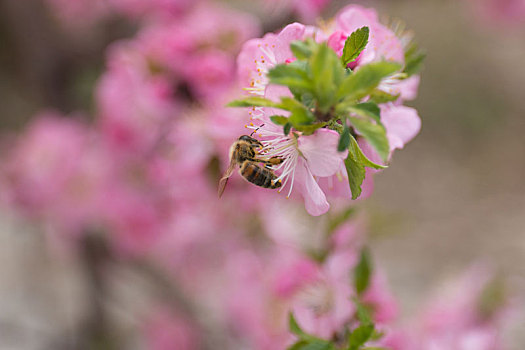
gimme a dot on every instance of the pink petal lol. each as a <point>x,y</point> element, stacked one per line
<point>314,198</point>
<point>320,152</point>
<point>291,32</point>
<point>402,124</point>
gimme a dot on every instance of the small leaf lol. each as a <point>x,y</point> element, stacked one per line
<point>354,44</point>
<point>294,327</point>
<point>363,81</point>
<point>368,109</point>
<point>253,102</point>
<point>279,119</point>
<point>362,313</point>
<point>300,116</point>
<point>374,133</point>
<point>319,345</point>
<point>355,165</point>
<point>356,174</point>
<point>326,72</point>
<point>362,272</point>
<point>287,128</point>
<point>344,140</point>
<point>414,59</point>
<point>309,129</point>
<point>360,336</point>
<point>291,76</point>
<point>379,97</point>
<point>298,345</point>
<point>301,49</point>
<point>360,156</point>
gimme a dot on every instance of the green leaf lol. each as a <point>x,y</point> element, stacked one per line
<point>279,119</point>
<point>344,140</point>
<point>354,44</point>
<point>363,81</point>
<point>294,327</point>
<point>362,272</point>
<point>355,165</point>
<point>300,116</point>
<point>298,345</point>
<point>414,59</point>
<point>301,49</point>
<point>379,97</point>
<point>356,174</point>
<point>362,313</point>
<point>291,76</point>
<point>367,109</point>
<point>360,156</point>
<point>253,102</point>
<point>319,345</point>
<point>287,128</point>
<point>309,129</point>
<point>360,336</point>
<point>374,133</point>
<point>326,71</point>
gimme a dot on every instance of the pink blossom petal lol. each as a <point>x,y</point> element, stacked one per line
<point>314,198</point>
<point>402,124</point>
<point>320,152</point>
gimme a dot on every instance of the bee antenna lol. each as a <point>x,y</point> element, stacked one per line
<point>253,132</point>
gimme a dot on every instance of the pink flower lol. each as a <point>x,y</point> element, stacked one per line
<point>303,158</point>
<point>55,173</point>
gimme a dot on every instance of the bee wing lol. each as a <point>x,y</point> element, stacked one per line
<point>224,180</point>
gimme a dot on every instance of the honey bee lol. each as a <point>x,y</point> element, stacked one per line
<point>245,153</point>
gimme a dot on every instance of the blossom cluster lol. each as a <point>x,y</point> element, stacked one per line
<point>254,267</point>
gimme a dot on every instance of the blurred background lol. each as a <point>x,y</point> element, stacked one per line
<point>455,196</point>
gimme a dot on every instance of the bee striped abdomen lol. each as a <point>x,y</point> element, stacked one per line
<point>259,176</point>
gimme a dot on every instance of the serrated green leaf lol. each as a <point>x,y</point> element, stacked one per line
<point>360,156</point>
<point>279,119</point>
<point>363,81</point>
<point>253,102</point>
<point>354,44</point>
<point>374,133</point>
<point>355,165</point>
<point>291,76</point>
<point>356,174</point>
<point>362,272</point>
<point>344,140</point>
<point>287,128</point>
<point>360,336</point>
<point>309,129</point>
